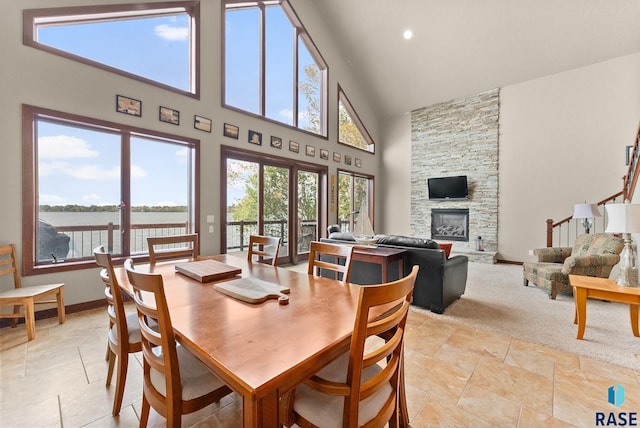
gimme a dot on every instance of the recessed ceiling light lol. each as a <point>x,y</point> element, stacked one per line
<point>407,34</point>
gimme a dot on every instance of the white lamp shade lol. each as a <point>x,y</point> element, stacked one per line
<point>586,211</point>
<point>623,218</point>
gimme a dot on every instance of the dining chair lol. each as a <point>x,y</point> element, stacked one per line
<point>325,256</point>
<point>363,385</point>
<point>124,330</point>
<point>172,247</point>
<point>25,297</point>
<point>175,382</point>
<point>264,246</point>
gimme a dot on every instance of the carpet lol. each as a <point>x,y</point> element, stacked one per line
<point>496,300</point>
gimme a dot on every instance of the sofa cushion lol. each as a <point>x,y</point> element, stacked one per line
<point>407,241</point>
<point>342,236</point>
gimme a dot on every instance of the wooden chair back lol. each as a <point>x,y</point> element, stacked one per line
<point>160,354</point>
<point>326,256</point>
<point>264,247</point>
<point>113,294</point>
<point>153,308</point>
<point>120,344</point>
<point>25,297</point>
<point>172,247</point>
<point>382,312</point>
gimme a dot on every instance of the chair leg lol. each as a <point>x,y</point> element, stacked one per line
<point>121,379</point>
<point>111,357</point>
<point>106,355</point>
<point>144,413</point>
<point>60,300</point>
<point>29,318</point>
<point>403,412</point>
<point>16,311</point>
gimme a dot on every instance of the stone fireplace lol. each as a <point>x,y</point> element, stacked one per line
<point>450,224</point>
<point>458,137</point>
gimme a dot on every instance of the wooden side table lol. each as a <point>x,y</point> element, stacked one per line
<point>383,256</point>
<point>604,289</point>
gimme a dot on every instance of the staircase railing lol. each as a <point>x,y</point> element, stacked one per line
<point>631,178</point>
<point>564,232</point>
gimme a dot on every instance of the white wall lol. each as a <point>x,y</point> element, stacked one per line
<point>393,186</point>
<point>562,141</point>
<point>31,76</point>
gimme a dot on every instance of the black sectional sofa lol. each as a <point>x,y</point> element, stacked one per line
<point>440,280</point>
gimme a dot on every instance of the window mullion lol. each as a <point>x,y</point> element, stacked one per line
<point>263,62</point>
<point>296,76</point>
<point>125,185</point>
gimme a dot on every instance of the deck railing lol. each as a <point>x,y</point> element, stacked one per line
<point>83,239</point>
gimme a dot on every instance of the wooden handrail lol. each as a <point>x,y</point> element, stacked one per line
<point>629,182</point>
<point>631,178</point>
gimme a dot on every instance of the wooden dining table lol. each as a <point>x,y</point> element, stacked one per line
<point>260,350</point>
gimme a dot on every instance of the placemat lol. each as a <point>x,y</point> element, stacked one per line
<point>207,270</point>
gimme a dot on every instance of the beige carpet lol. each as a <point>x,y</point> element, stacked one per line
<point>496,300</point>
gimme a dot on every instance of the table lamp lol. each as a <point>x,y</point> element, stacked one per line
<point>586,212</point>
<point>625,219</point>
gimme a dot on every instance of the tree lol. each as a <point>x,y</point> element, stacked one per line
<point>348,132</point>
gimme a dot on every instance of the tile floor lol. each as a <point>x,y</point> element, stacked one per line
<point>456,375</point>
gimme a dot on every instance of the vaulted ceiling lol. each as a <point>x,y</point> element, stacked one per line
<point>462,47</point>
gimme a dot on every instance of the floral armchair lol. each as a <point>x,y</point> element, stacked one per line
<point>591,255</point>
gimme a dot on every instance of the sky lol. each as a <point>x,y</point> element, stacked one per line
<point>82,167</point>
<point>78,166</point>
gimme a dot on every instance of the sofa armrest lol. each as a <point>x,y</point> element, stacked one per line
<point>552,254</point>
<point>572,264</point>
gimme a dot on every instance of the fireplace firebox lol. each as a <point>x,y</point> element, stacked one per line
<point>450,224</point>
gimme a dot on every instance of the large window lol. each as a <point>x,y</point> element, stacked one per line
<point>354,191</point>
<point>271,67</point>
<point>90,183</point>
<point>155,42</point>
<point>351,130</point>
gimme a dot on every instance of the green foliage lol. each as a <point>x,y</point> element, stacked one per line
<point>352,189</point>
<point>309,88</point>
<point>276,192</point>
<point>348,132</point>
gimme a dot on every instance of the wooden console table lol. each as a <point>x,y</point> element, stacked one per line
<point>604,289</point>
<point>383,256</point>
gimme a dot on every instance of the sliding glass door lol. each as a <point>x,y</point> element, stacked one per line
<point>271,196</point>
<point>275,205</point>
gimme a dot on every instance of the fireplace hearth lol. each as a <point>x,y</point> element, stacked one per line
<point>450,224</point>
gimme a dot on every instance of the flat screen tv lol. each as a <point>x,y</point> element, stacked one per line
<point>443,188</point>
